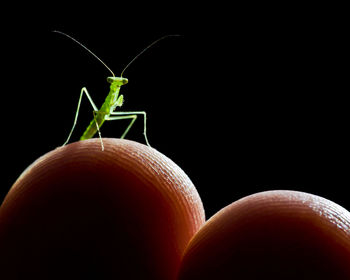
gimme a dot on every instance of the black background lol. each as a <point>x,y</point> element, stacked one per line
<point>248,99</point>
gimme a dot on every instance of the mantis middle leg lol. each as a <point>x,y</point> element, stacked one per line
<point>83,90</point>
<point>133,117</point>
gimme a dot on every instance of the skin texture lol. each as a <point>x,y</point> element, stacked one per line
<point>272,235</point>
<point>131,213</point>
<point>79,213</point>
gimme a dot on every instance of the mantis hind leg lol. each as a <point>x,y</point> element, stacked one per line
<point>83,90</point>
<point>133,117</point>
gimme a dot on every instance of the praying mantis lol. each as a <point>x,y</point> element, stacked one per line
<point>107,111</point>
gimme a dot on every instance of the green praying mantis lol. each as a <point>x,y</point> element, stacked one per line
<point>107,111</point>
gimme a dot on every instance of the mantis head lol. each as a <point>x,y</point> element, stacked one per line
<point>120,81</point>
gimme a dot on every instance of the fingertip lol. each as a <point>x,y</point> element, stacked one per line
<point>127,211</point>
<point>272,235</point>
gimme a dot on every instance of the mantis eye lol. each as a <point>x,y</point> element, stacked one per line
<point>110,79</point>
<point>125,81</point>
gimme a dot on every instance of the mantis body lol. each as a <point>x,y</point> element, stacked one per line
<point>108,112</point>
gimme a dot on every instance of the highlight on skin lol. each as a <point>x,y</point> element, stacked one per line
<point>272,235</point>
<point>80,213</point>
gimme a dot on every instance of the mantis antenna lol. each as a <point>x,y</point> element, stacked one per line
<point>145,49</point>
<point>99,59</point>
